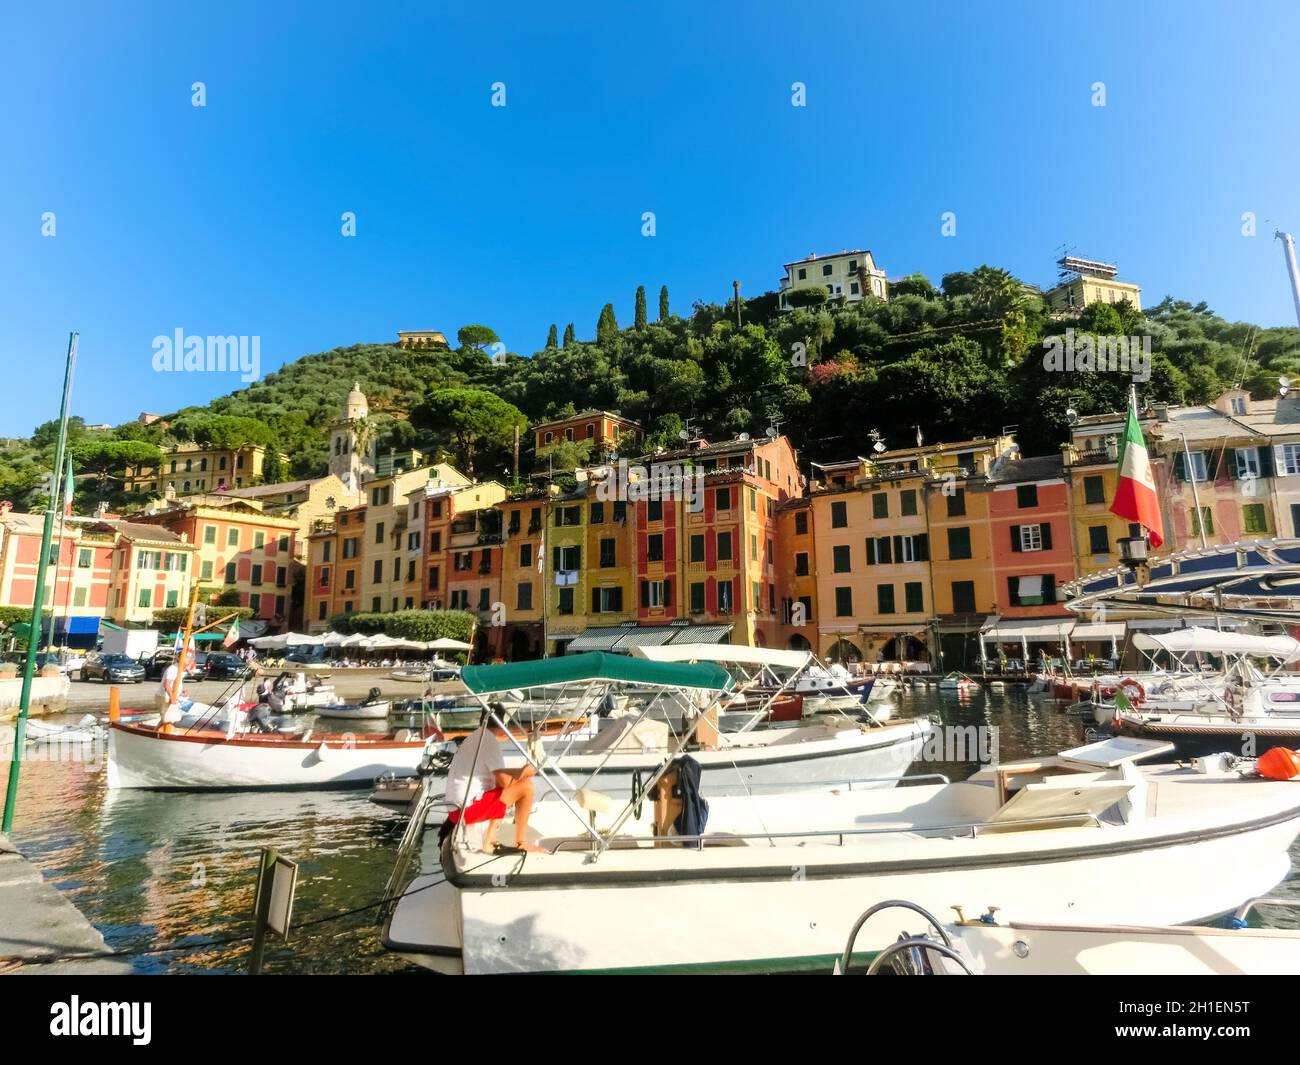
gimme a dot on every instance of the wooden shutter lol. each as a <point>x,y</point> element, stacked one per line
<point>1046,529</point>
<point>1015,538</point>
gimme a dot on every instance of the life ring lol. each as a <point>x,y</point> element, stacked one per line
<point>1133,689</point>
<point>1108,693</point>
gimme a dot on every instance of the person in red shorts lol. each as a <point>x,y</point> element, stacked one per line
<point>483,789</point>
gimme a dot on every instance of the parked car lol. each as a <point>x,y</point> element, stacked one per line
<point>69,663</point>
<point>306,656</point>
<point>222,665</point>
<point>112,669</point>
<point>156,665</point>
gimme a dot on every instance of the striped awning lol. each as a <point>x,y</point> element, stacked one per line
<point>622,638</point>
<point>597,639</point>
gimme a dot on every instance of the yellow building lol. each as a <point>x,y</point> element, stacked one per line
<point>392,576</point>
<point>522,519</point>
<point>796,578</point>
<point>305,502</point>
<point>566,571</point>
<point>848,275</point>
<point>188,468</point>
<point>1090,465</point>
<point>877,525</point>
<point>1086,281</point>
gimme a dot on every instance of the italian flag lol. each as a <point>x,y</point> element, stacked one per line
<point>1135,495</point>
<point>232,634</point>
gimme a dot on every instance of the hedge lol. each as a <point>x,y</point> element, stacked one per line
<point>410,624</point>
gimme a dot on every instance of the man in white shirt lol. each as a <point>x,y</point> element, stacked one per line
<point>163,696</point>
<point>483,789</point>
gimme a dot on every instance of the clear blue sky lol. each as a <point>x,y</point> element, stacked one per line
<point>226,219</point>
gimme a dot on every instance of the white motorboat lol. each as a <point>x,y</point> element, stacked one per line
<point>991,945</point>
<point>171,757</point>
<point>87,730</point>
<point>636,743</point>
<point>773,881</point>
<point>958,684</point>
<point>372,708</point>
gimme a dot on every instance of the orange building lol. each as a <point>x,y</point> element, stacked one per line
<point>336,552</point>
<point>607,430</point>
<point>796,576</point>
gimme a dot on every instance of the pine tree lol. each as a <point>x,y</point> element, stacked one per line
<point>607,325</point>
<point>663,304</point>
<point>640,307</point>
<point>568,334</point>
<point>551,337</point>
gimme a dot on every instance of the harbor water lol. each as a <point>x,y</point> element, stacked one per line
<point>168,878</point>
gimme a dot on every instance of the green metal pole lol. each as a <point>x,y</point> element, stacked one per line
<point>36,630</point>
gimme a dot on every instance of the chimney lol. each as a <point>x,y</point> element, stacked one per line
<point>1162,412</point>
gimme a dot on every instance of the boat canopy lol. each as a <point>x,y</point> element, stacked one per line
<point>597,665</point>
<point>1211,641</point>
<point>722,652</point>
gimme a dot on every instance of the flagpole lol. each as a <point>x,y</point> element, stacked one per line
<point>67,592</point>
<point>38,600</point>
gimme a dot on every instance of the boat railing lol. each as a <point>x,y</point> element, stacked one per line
<point>1243,911</point>
<point>970,828</point>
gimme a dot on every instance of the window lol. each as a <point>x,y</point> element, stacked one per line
<point>879,505</point>
<point>350,547</point>
<point>597,513</point>
<point>826,270</point>
<point>957,503</point>
<point>435,509</point>
<point>257,575</point>
<point>841,559</point>
<point>173,597</point>
<point>323,577</point>
<point>654,594</point>
<point>350,579</point>
<point>434,573</point>
<point>1204,522</point>
<point>259,540</point>
<point>654,510</point>
<point>232,538</point>
<point>879,551</point>
<point>230,573</point>
<point>724,546</point>
<point>79,597</point>
<point>525,555</point>
<point>607,600</point>
<point>325,551</point>
<point>1238,404</point>
<point>1288,459</point>
<point>843,602</point>
<point>839,515</point>
<point>484,599</point>
<point>885,598</point>
<point>209,534</point>
<point>959,542</point>
<point>697,548</point>
<point>907,502</point>
<point>654,547</point>
<point>620,511</point>
<point>722,497</point>
<point>1246,462</point>
<point>320,614</point>
<point>205,570</point>
<point>1197,465</point>
<point>1254,518</point>
<point>697,597</point>
<point>379,532</point>
<point>568,516</point>
<point>608,552</point>
<point>914,597</point>
<point>380,497</point>
<point>524,596</point>
<point>1031,537</point>
<point>461,561</point>
<point>435,542</point>
<point>756,595</point>
<point>1098,540</point>
<point>379,570</point>
<point>566,558</point>
<point>803,273</point>
<point>1026,496</point>
<point>801,522</point>
<point>146,597</point>
<point>1038,590</point>
<point>1094,490</point>
<point>84,558</point>
<point>1295,519</point>
<point>753,501</point>
<point>963,597</point>
<point>801,564</point>
<point>726,597</point>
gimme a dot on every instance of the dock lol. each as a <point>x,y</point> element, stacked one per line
<point>42,932</point>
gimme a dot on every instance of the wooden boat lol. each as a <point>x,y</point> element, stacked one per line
<point>1055,839</point>
<point>990,945</point>
<point>171,758</point>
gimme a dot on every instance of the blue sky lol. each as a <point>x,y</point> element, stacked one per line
<point>226,219</point>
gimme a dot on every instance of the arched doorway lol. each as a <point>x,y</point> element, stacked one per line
<point>519,646</point>
<point>905,648</point>
<point>799,642</point>
<point>843,651</point>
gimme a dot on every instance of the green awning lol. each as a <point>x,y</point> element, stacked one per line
<point>597,665</point>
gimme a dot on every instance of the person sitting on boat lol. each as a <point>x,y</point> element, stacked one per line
<point>483,789</point>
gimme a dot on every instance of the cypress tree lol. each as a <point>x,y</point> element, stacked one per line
<point>640,307</point>
<point>568,334</point>
<point>663,303</point>
<point>606,325</point>
<point>551,337</point>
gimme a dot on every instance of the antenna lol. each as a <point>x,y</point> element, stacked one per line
<point>876,444</point>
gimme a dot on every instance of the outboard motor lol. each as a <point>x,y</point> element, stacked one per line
<point>373,697</point>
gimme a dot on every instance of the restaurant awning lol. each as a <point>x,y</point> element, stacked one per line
<point>622,638</point>
<point>1033,630</point>
<point>1098,630</point>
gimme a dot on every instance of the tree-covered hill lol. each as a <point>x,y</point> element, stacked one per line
<point>957,360</point>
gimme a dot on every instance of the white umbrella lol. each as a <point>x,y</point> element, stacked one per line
<point>447,644</point>
<point>357,639</point>
<point>334,639</point>
<point>268,643</point>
